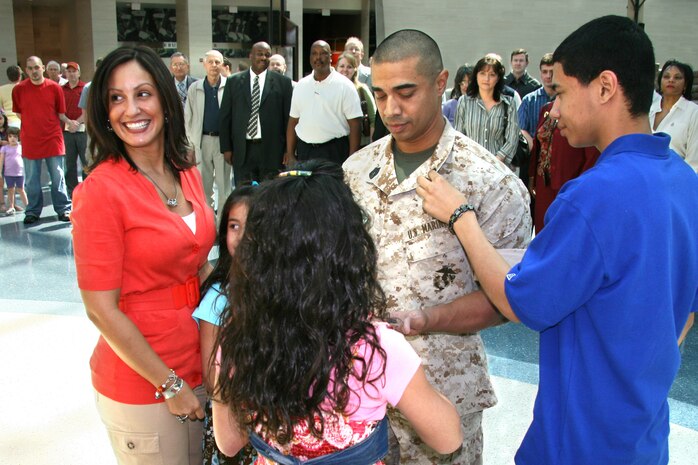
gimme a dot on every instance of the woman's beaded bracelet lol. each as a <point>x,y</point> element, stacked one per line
<point>172,385</point>
<point>457,214</point>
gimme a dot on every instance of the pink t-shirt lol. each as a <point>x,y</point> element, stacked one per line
<point>369,403</point>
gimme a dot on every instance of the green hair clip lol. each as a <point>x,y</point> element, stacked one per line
<point>295,173</point>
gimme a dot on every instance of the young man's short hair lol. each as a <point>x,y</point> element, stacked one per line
<point>547,59</point>
<point>617,44</point>
<point>14,72</point>
<point>519,51</point>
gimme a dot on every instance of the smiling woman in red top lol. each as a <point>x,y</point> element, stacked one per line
<point>142,232</point>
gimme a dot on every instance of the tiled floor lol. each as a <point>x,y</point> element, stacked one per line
<point>46,341</point>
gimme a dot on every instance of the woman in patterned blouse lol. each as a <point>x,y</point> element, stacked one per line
<point>485,114</point>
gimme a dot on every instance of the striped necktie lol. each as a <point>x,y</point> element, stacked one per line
<point>182,91</point>
<point>252,124</point>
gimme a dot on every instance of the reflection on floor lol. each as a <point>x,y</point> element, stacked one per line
<point>46,341</point>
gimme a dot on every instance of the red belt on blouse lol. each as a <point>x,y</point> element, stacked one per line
<point>173,297</point>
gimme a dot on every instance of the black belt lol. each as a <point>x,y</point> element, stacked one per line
<point>331,141</point>
<point>212,134</point>
<point>254,141</point>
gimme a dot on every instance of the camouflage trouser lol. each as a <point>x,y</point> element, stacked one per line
<point>414,452</point>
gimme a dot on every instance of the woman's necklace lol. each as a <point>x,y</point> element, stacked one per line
<point>171,201</point>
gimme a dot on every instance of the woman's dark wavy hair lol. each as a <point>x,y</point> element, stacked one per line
<point>303,290</point>
<point>473,89</point>
<point>687,72</point>
<point>461,73</point>
<point>105,144</point>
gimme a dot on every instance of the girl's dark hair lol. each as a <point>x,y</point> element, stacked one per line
<point>303,290</point>
<point>473,89</point>
<point>461,73</point>
<point>105,144</point>
<point>11,131</point>
<point>221,272</point>
<point>687,72</point>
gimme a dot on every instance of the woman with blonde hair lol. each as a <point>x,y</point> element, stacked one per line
<point>348,66</point>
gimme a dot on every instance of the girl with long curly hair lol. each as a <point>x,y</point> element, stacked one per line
<point>306,368</point>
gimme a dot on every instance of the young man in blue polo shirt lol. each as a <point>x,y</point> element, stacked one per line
<point>610,281</point>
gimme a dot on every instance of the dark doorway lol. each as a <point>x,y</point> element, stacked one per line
<point>334,30</point>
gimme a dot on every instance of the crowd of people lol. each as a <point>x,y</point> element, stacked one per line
<point>340,321</point>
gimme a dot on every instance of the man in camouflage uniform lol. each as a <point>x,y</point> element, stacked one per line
<point>421,263</point>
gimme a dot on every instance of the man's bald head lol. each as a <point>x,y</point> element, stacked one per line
<point>410,43</point>
<point>259,57</point>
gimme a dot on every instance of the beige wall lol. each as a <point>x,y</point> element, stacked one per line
<point>8,45</point>
<point>467,30</point>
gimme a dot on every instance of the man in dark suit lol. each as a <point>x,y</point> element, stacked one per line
<point>253,118</point>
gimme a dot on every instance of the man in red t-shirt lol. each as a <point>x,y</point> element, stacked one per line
<point>39,102</point>
<point>75,137</point>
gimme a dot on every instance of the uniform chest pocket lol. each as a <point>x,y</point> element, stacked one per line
<point>438,265</point>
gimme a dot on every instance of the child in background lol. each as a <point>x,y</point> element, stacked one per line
<point>3,142</point>
<point>213,302</point>
<point>304,362</point>
<point>12,166</point>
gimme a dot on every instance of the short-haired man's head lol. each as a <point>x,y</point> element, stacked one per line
<point>179,55</point>
<point>488,61</point>
<point>616,44</point>
<point>547,59</point>
<point>277,63</point>
<point>214,53</point>
<point>519,51</point>
<point>14,72</point>
<point>687,72</point>
<point>179,66</point>
<point>53,70</point>
<point>354,41</point>
<point>355,47</point>
<point>410,43</point>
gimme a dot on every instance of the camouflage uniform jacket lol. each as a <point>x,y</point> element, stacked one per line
<point>421,264</point>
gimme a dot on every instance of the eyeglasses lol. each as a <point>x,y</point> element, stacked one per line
<point>179,65</point>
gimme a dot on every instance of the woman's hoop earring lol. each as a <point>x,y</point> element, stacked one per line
<point>109,128</point>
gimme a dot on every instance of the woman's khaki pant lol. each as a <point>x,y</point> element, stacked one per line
<point>150,434</point>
